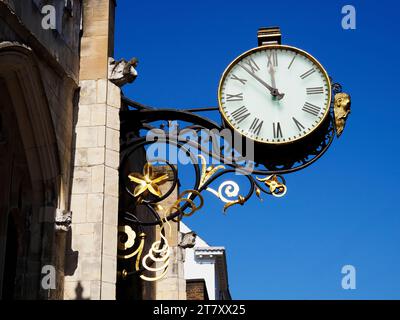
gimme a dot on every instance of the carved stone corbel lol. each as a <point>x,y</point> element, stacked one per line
<point>63,220</point>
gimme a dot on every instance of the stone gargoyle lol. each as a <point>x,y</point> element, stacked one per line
<point>188,240</point>
<point>122,72</point>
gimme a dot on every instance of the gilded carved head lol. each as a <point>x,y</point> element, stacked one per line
<point>342,110</point>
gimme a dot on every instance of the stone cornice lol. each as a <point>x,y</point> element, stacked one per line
<point>208,252</point>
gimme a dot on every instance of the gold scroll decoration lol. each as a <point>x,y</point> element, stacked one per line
<point>277,188</point>
<point>159,255</point>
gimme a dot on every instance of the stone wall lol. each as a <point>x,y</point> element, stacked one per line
<point>54,57</point>
<point>94,203</point>
<point>61,44</point>
<point>92,261</point>
<point>83,112</point>
<point>57,55</point>
<point>173,285</point>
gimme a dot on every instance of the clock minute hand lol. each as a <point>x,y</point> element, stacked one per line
<point>274,92</point>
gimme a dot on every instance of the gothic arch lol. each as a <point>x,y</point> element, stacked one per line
<point>19,69</point>
<point>27,119</point>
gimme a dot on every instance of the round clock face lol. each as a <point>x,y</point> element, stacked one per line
<point>275,94</point>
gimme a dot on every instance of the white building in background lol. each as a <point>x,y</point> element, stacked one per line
<point>205,270</point>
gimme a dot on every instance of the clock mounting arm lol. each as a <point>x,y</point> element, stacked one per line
<point>140,188</point>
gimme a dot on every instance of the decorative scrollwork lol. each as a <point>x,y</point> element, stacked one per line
<point>241,200</point>
<point>159,253</point>
<point>264,179</point>
<point>126,240</point>
<point>130,237</point>
<point>277,189</point>
<point>229,188</point>
<point>207,172</point>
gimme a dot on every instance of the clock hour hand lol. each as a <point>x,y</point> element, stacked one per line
<point>271,71</point>
<point>274,92</point>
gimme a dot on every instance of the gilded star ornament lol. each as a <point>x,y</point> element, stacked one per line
<point>147,181</point>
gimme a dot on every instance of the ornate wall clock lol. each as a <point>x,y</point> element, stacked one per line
<point>278,96</point>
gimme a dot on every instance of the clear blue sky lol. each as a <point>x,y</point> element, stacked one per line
<point>342,210</point>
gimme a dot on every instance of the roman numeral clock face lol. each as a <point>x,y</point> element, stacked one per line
<point>275,94</point>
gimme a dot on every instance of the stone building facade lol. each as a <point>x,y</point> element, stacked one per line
<point>60,99</point>
<point>39,77</point>
<point>59,149</point>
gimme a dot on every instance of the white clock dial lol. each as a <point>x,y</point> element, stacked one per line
<point>275,94</point>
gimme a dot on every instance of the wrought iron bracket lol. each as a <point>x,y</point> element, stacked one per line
<point>140,185</point>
